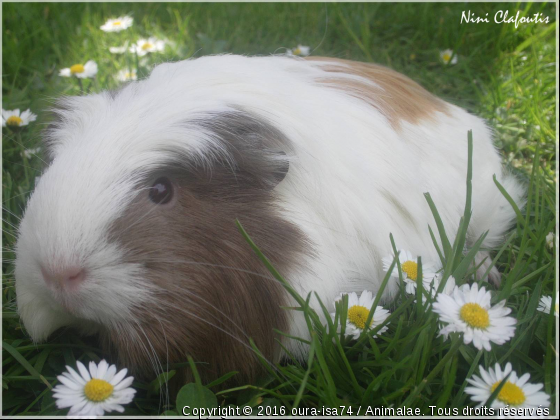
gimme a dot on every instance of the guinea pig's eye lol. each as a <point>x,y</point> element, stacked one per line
<point>162,191</point>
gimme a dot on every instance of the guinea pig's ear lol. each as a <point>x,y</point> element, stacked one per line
<point>257,150</point>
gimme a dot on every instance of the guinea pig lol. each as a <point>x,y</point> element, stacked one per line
<point>130,233</point>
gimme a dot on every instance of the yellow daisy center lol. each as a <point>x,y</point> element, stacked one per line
<point>98,390</point>
<point>77,68</point>
<point>358,315</point>
<point>510,393</point>
<point>411,269</point>
<point>475,315</point>
<point>117,23</point>
<point>16,122</point>
<point>147,46</point>
<point>446,57</point>
<point>297,51</point>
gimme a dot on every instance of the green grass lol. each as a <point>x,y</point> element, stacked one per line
<point>504,74</point>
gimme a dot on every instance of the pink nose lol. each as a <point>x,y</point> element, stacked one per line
<point>67,278</point>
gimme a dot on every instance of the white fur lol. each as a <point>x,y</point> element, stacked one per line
<point>348,169</point>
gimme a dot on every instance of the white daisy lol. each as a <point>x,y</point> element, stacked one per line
<point>300,50</point>
<point>145,46</point>
<point>358,312</point>
<point>448,57</point>
<point>15,119</point>
<point>117,25</point>
<point>516,392</point>
<point>545,304</point>
<point>409,268</point>
<point>550,239</point>
<point>93,392</point>
<point>119,50</point>
<point>468,311</point>
<point>82,71</point>
<point>126,75</point>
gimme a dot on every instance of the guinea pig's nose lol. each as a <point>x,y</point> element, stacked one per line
<point>67,278</point>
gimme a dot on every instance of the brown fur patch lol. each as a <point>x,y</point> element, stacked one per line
<point>213,293</point>
<point>395,96</point>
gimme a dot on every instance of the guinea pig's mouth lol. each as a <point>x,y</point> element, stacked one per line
<point>83,318</point>
<point>67,304</point>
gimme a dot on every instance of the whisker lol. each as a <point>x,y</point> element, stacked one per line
<point>157,363</point>
<point>146,352</point>
<point>14,227</point>
<point>167,397</point>
<point>10,212</point>
<point>192,262</point>
<point>227,333</point>
<point>21,164</point>
<point>10,233</point>
<point>199,306</point>
<point>18,195</point>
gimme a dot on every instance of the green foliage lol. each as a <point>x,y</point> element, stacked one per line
<point>504,74</point>
<point>195,396</point>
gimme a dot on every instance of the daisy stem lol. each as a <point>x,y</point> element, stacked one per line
<point>454,347</point>
<point>81,86</point>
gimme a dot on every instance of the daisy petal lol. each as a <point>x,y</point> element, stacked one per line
<point>118,377</point>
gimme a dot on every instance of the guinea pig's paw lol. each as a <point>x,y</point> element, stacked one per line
<point>483,261</point>
<point>495,277</point>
